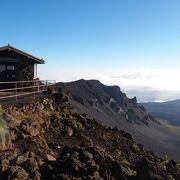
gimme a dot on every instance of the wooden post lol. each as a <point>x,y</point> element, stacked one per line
<point>34,89</point>
<point>38,84</point>
<point>46,88</point>
<point>16,91</point>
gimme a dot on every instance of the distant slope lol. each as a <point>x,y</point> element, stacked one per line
<point>113,108</point>
<point>172,128</point>
<point>169,111</point>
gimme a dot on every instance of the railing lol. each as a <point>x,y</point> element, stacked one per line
<point>15,89</point>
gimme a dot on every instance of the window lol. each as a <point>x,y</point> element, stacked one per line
<point>2,68</point>
<point>11,68</point>
<point>13,76</point>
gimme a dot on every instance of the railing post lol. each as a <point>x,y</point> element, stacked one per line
<point>16,91</point>
<point>22,85</point>
<point>34,89</point>
<point>38,84</point>
<point>46,87</point>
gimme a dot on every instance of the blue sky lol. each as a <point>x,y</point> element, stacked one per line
<point>94,36</point>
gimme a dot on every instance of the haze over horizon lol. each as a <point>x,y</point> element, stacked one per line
<point>132,44</point>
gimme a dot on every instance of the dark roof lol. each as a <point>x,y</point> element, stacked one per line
<point>11,48</point>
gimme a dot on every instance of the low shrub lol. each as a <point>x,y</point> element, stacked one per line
<point>1,109</point>
<point>56,115</point>
<point>125,162</point>
<point>80,126</point>
<point>104,136</point>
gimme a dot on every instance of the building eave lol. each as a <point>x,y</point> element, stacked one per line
<point>28,56</point>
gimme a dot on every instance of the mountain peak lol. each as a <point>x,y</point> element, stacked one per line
<point>108,99</point>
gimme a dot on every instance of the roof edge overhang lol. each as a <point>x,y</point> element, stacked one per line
<point>11,48</point>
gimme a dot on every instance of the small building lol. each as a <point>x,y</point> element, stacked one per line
<point>16,65</point>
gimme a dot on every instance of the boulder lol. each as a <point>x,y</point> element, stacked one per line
<point>30,127</point>
<point>16,173</point>
<point>69,131</point>
<point>50,158</point>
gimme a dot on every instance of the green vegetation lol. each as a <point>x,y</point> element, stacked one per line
<point>2,126</point>
<point>41,132</point>
<point>3,130</point>
<point>56,115</point>
<point>165,162</point>
<point>104,136</point>
<point>136,149</point>
<point>79,126</point>
<point>178,166</point>
<point>1,109</point>
<point>29,116</point>
<point>125,162</point>
<point>21,116</point>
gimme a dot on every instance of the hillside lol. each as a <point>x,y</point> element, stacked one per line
<point>46,139</point>
<point>169,111</point>
<point>113,108</point>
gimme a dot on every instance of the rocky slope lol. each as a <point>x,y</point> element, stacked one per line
<point>46,139</point>
<point>113,108</point>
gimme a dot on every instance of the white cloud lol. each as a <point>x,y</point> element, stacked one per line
<point>145,81</point>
